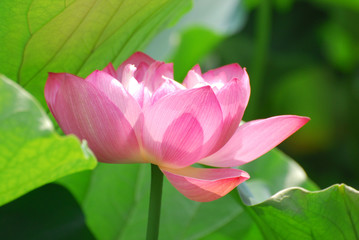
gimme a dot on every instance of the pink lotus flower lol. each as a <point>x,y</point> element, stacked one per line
<point>138,114</point>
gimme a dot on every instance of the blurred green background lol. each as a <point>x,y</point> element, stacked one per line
<point>302,58</point>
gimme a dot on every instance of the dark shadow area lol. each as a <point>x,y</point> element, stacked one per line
<point>49,212</point>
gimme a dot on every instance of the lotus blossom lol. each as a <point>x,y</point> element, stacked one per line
<point>139,114</point>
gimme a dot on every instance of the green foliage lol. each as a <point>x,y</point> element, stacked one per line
<point>195,43</point>
<point>48,212</point>
<point>31,154</point>
<point>282,211</point>
<point>76,36</point>
<point>116,206</point>
<point>115,201</point>
<point>271,173</point>
<point>295,213</point>
<point>349,4</point>
<point>343,53</point>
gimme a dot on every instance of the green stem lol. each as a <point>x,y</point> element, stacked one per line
<point>154,211</point>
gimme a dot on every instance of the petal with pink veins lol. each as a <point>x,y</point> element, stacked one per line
<point>233,98</point>
<point>117,94</point>
<point>224,74</point>
<point>82,109</point>
<point>168,86</point>
<point>128,76</point>
<point>53,85</point>
<point>253,139</point>
<point>110,70</point>
<point>156,74</point>
<point>139,59</point>
<point>205,184</point>
<point>182,127</point>
<point>141,71</point>
<point>194,78</point>
<point>197,69</point>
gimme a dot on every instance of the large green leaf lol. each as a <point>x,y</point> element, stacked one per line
<point>75,36</point>
<point>31,154</point>
<point>296,213</point>
<point>115,201</point>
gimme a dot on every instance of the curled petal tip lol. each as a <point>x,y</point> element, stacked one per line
<point>307,119</point>
<point>299,120</point>
<point>303,120</point>
<point>205,184</point>
<point>53,84</point>
<point>138,57</point>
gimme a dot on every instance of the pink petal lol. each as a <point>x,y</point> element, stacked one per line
<point>224,74</point>
<point>82,109</point>
<point>194,78</point>
<point>205,184</point>
<point>117,94</point>
<point>168,86</point>
<point>139,59</point>
<point>233,98</point>
<point>128,76</point>
<point>141,71</point>
<point>130,83</point>
<point>255,138</point>
<point>182,127</point>
<point>110,70</point>
<point>156,75</point>
<point>53,85</point>
<point>182,141</point>
<point>197,69</point>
